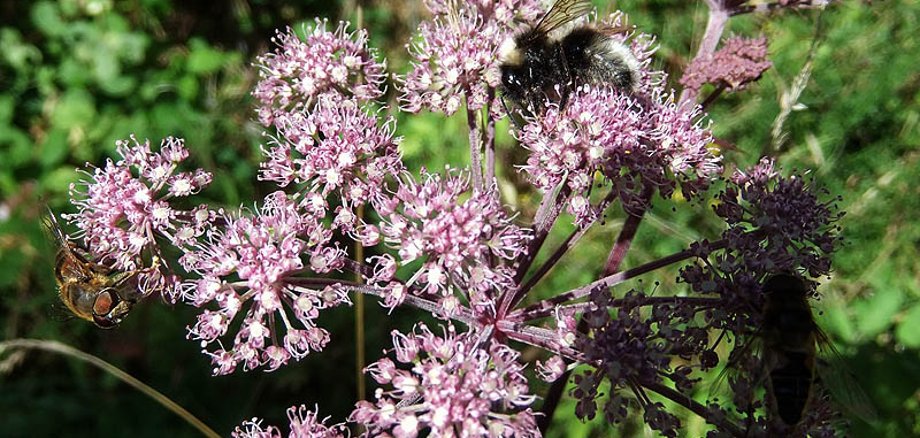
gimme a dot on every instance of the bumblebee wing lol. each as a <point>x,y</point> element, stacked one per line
<point>839,380</point>
<point>562,12</point>
<point>611,30</point>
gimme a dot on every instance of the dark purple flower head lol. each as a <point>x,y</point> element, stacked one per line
<point>304,423</point>
<point>335,147</point>
<point>248,266</point>
<point>466,244</point>
<point>624,349</point>
<point>450,385</point>
<point>127,205</point>
<point>775,224</point>
<point>739,62</point>
<point>455,57</point>
<point>336,64</point>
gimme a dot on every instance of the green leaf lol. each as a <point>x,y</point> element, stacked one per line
<point>875,314</point>
<point>908,331</point>
<point>46,17</point>
<point>203,59</point>
<point>77,108</point>
<point>58,181</point>
<point>836,321</point>
<point>54,148</point>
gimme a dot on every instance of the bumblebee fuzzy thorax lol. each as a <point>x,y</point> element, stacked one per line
<point>560,53</point>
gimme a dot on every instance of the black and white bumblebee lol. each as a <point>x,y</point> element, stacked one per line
<point>556,56</point>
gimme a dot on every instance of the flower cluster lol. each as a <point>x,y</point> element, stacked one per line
<point>634,144</point>
<point>739,62</point>
<point>452,385</point>
<point>335,64</point>
<point>127,204</point>
<point>775,224</point>
<point>455,55</point>
<point>253,260</point>
<point>262,277</point>
<point>625,350</point>
<point>461,243</point>
<point>304,423</point>
<point>334,147</point>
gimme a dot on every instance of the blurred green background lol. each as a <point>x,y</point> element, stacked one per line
<point>75,75</point>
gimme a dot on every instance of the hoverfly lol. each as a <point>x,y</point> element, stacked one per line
<point>90,290</point>
<point>794,356</point>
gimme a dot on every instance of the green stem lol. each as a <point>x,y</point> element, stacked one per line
<point>66,350</point>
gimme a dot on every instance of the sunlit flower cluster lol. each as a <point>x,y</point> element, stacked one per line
<point>739,62</point>
<point>447,244</point>
<point>455,59</point>
<point>127,205</point>
<point>462,243</point>
<point>635,144</point>
<point>450,385</point>
<point>304,423</point>
<point>248,267</point>
<point>335,147</point>
<point>334,63</point>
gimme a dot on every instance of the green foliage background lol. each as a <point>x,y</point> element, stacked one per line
<point>75,75</point>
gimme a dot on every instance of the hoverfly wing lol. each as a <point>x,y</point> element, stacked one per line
<point>840,381</point>
<point>68,262</point>
<point>53,228</point>
<point>563,12</point>
<point>743,364</point>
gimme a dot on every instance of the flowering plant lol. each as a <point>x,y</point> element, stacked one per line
<point>446,244</point>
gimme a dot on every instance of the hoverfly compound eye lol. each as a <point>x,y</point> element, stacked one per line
<point>104,303</point>
<point>104,322</point>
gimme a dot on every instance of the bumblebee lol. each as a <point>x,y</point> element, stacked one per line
<point>556,56</point>
<point>89,290</point>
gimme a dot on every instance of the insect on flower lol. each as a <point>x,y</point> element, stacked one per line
<point>90,290</point>
<point>794,356</point>
<point>554,58</point>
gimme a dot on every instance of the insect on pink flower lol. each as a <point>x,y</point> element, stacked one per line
<point>126,207</point>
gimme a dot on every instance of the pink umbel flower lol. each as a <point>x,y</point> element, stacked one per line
<point>739,62</point>
<point>336,148</point>
<point>247,268</point>
<point>634,142</point>
<point>455,57</point>
<point>450,385</point>
<point>304,423</point>
<point>465,244</point>
<point>334,63</point>
<point>126,206</point>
